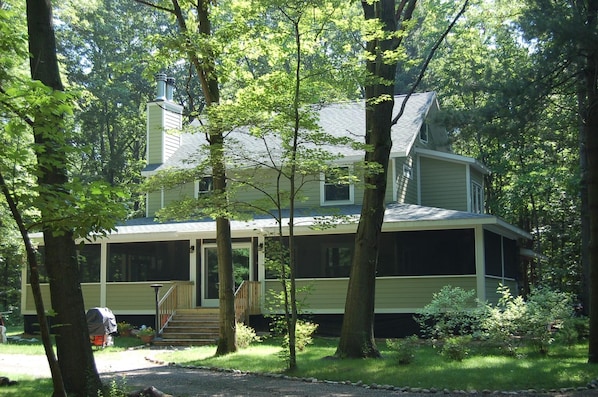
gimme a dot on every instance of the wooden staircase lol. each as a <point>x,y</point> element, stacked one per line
<point>191,327</point>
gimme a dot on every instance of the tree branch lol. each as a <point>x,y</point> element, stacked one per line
<point>427,62</point>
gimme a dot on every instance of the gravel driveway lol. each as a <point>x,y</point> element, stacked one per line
<point>139,369</point>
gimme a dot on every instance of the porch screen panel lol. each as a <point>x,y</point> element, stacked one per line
<point>427,253</point>
<point>148,261</point>
<point>322,256</point>
<point>88,257</point>
<point>511,258</point>
<point>492,254</point>
<point>498,252</point>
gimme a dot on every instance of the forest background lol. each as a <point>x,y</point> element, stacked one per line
<point>508,98</point>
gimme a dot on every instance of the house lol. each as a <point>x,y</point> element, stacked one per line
<point>435,231</point>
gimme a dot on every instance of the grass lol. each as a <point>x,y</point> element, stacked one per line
<point>565,366</point>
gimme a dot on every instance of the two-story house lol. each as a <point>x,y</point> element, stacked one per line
<point>435,231</point>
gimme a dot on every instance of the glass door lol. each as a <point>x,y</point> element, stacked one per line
<point>242,270</point>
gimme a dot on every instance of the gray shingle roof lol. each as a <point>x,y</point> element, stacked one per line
<point>345,119</point>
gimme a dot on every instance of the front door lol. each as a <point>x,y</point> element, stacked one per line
<point>242,270</point>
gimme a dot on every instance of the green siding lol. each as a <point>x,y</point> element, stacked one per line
<point>393,294</point>
<point>154,202</point>
<point>178,193</point>
<point>132,296</point>
<point>154,131</point>
<point>443,184</point>
<point>91,297</point>
<point>162,117</point>
<point>492,283</point>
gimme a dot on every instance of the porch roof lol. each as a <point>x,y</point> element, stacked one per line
<point>397,217</point>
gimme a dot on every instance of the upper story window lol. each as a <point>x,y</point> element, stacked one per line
<point>477,198</point>
<point>205,185</point>
<point>424,131</point>
<point>336,188</point>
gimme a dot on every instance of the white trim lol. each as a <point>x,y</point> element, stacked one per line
<point>351,186</point>
<point>205,302</point>
<point>480,264</point>
<point>468,188</point>
<point>103,272</point>
<point>419,179</point>
<point>193,270</point>
<point>395,185</point>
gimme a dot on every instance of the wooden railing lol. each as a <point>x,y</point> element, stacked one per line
<point>247,300</point>
<point>178,296</point>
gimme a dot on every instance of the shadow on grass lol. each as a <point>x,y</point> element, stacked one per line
<point>483,369</point>
<point>28,387</point>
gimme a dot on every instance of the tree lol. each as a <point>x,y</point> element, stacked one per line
<point>197,42</point>
<point>383,49</point>
<point>511,109</point>
<point>108,52</point>
<point>300,78</point>
<point>294,67</point>
<point>76,361</point>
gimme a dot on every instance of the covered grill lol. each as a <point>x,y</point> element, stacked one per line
<point>101,323</point>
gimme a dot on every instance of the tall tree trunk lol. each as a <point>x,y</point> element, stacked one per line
<point>57,381</point>
<point>591,136</point>
<point>73,348</point>
<point>357,332</point>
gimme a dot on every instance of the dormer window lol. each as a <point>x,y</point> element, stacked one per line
<point>204,185</point>
<point>424,132</point>
<point>334,190</point>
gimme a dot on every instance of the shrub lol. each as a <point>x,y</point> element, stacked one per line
<point>304,332</point>
<point>515,321</point>
<point>405,348</point>
<point>245,336</point>
<point>504,323</point>
<point>452,311</point>
<point>456,348</point>
<point>547,313</point>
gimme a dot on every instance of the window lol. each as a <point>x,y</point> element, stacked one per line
<point>407,171</point>
<point>477,198</point>
<point>205,185</point>
<point>337,188</point>
<point>423,132</point>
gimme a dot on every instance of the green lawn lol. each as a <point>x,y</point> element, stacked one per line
<point>565,366</point>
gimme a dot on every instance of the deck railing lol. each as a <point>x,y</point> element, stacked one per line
<point>178,296</point>
<point>247,300</point>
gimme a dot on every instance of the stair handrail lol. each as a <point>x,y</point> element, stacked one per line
<point>246,300</point>
<point>177,297</point>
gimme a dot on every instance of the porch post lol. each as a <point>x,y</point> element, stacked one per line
<point>103,272</point>
<point>193,253</point>
<point>480,263</point>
